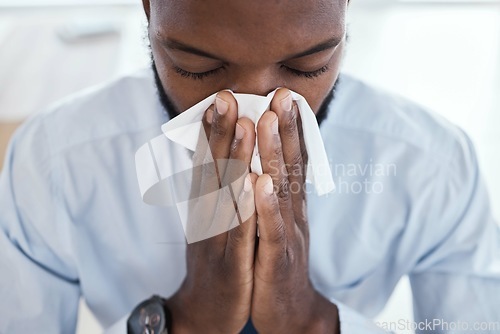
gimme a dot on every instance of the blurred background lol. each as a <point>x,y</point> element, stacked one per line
<point>443,54</point>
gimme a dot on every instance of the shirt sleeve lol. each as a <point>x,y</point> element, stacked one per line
<point>456,280</point>
<point>352,322</point>
<point>119,327</point>
<point>39,290</point>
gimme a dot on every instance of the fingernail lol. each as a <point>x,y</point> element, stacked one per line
<point>274,126</point>
<point>268,187</point>
<point>210,115</point>
<point>221,106</point>
<point>248,184</point>
<point>287,103</point>
<point>239,133</point>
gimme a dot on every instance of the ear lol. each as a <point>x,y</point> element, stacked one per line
<point>146,6</point>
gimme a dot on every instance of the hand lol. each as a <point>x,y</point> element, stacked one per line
<point>215,296</point>
<point>284,300</point>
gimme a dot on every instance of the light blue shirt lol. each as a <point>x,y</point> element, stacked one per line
<point>410,200</point>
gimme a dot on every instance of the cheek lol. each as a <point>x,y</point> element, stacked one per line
<point>316,95</point>
<point>315,91</point>
<point>182,92</point>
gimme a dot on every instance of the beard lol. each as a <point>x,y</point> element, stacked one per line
<point>172,111</point>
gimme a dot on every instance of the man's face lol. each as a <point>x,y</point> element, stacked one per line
<point>202,47</point>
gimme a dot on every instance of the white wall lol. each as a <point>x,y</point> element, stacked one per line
<point>446,57</point>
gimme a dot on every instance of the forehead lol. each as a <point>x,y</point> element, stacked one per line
<point>244,26</point>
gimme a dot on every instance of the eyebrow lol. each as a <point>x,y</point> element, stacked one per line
<point>329,44</point>
<point>176,45</point>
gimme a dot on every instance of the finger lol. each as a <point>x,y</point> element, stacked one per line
<point>210,158</point>
<point>222,129</point>
<point>207,120</point>
<point>303,150</point>
<point>287,111</point>
<point>240,155</point>
<point>240,246</point>
<point>246,199</point>
<point>301,217</point>
<point>204,135</point>
<point>271,156</point>
<point>244,141</point>
<point>203,222</point>
<point>227,213</point>
<point>272,231</point>
<point>200,153</point>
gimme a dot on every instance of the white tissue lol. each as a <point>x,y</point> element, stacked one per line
<point>185,129</point>
<point>167,175</point>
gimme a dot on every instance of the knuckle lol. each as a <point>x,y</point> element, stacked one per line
<point>278,149</point>
<point>295,164</point>
<point>236,235</point>
<point>218,129</point>
<point>289,126</point>
<point>210,179</point>
<point>282,191</point>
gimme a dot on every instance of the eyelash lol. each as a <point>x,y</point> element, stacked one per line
<point>195,76</point>
<point>202,75</point>
<point>309,75</point>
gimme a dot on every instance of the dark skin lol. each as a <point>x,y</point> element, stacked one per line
<point>203,47</point>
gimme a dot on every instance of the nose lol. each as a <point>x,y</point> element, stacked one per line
<point>255,81</point>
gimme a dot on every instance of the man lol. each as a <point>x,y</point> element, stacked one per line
<point>73,223</point>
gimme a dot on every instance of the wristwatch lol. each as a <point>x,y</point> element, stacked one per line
<point>150,317</point>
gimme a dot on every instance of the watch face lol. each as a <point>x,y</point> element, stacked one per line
<point>147,318</point>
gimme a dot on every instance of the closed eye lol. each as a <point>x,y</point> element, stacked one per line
<point>202,75</point>
<point>307,74</point>
<point>196,75</point>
